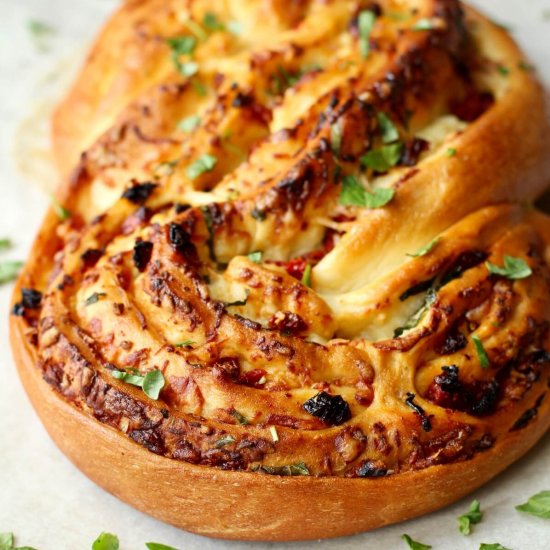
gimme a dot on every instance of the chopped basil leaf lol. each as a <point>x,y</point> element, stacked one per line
<point>235,28</point>
<point>128,377</point>
<point>472,516</point>
<point>153,384</point>
<point>429,300</point>
<point>196,29</point>
<point>415,545</point>
<point>212,23</point>
<point>106,541</point>
<point>425,249</point>
<point>538,505</point>
<point>425,24</point>
<point>354,194</point>
<point>9,270</point>
<point>365,23</point>
<point>387,128</point>
<point>199,87</point>
<point>190,123</point>
<point>396,16</point>
<point>239,417</point>
<point>336,138</point>
<point>256,257</point>
<point>182,45</point>
<point>239,302</point>
<point>306,277</point>
<point>481,353</point>
<point>94,298</point>
<point>5,244</point>
<point>297,469</point>
<point>504,71</point>
<point>6,541</point>
<point>274,434</point>
<point>381,160</point>
<point>203,164</point>
<point>451,152</point>
<point>494,546</point>
<point>61,212</point>
<point>158,546</point>
<point>225,440</point>
<point>514,268</point>
<point>185,344</point>
<point>39,28</point>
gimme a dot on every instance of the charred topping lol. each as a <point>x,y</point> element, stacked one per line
<point>30,300</point>
<point>140,192</point>
<point>528,415</point>
<point>332,409</point>
<point>466,260</point>
<point>454,341</point>
<point>288,323</point>
<point>371,469</point>
<point>448,381</point>
<point>142,254</point>
<point>180,239</point>
<point>91,257</point>
<point>181,208</point>
<point>426,424</point>
<point>412,150</point>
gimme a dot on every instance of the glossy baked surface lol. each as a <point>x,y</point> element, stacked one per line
<point>303,263</point>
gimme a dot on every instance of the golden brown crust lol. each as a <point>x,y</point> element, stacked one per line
<point>366,368</point>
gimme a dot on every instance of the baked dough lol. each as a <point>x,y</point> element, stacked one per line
<point>290,296</point>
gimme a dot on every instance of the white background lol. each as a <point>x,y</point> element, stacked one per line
<point>43,498</point>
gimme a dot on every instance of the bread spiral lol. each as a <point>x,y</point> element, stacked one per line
<point>301,263</point>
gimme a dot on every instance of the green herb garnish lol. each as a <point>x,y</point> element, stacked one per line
<point>185,344</point>
<point>451,152</point>
<point>387,128</point>
<point>151,384</point>
<point>239,302</point>
<point>494,546</point>
<point>381,160</point>
<point>524,66</point>
<point>212,23</point>
<point>481,353</point>
<point>106,541</point>
<point>429,300</point>
<point>5,244</point>
<point>365,24</point>
<point>472,516</point>
<point>190,123</point>
<point>336,138</point>
<point>203,164</point>
<point>354,194</point>
<point>514,268</point>
<point>158,546</point>
<point>239,417</point>
<point>94,298</point>
<point>297,469</point>
<point>7,542</point>
<point>183,45</point>
<point>538,505</point>
<point>40,32</point>
<point>415,545</point>
<point>9,270</point>
<point>425,249</point>
<point>61,212</point>
<point>306,277</point>
<point>256,257</point>
<point>225,440</point>
<point>504,71</point>
<point>196,29</point>
<point>199,87</point>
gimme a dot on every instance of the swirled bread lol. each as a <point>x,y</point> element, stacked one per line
<point>300,243</point>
